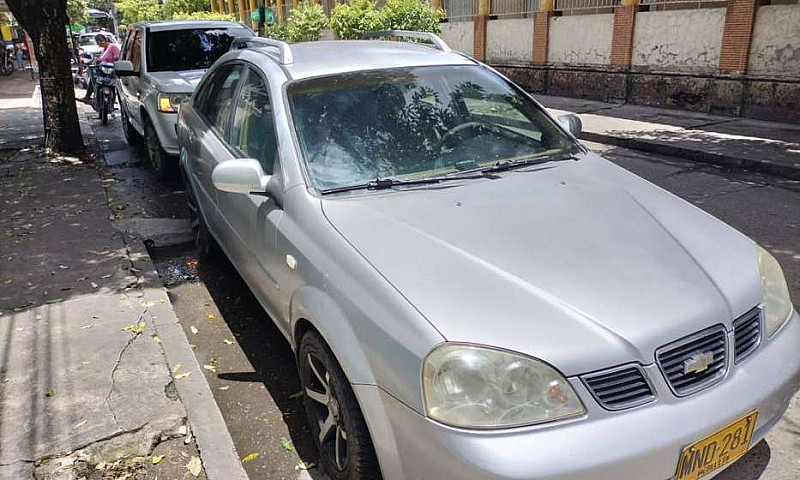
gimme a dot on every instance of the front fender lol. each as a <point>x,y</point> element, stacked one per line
<point>315,306</point>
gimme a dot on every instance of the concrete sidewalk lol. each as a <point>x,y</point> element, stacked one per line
<point>97,379</point>
<point>766,147</point>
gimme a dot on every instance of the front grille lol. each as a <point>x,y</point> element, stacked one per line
<point>619,388</point>
<point>676,361</point>
<point>747,334</point>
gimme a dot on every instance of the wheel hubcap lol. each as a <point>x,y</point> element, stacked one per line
<point>332,435</point>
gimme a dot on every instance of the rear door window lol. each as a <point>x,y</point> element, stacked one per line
<point>218,99</point>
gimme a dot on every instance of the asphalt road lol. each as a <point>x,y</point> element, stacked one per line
<point>251,367</point>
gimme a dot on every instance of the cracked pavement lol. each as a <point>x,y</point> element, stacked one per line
<point>71,376</point>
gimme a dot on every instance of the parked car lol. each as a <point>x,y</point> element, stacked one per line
<point>159,67</point>
<point>470,292</point>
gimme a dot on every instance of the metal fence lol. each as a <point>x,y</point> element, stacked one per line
<point>514,8</point>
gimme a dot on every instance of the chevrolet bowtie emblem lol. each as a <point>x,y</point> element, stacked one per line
<point>698,362</point>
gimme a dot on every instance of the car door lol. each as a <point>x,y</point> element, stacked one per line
<point>205,147</point>
<point>131,86</point>
<point>254,219</point>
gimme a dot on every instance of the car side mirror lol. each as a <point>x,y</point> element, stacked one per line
<point>124,68</point>
<point>240,175</point>
<point>572,123</point>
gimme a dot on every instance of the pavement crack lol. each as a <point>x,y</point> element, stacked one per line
<point>118,363</point>
<point>709,124</point>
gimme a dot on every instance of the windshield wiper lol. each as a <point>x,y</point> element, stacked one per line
<point>386,183</point>
<point>504,165</point>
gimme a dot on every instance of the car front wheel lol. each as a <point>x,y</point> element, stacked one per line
<point>337,425</point>
<point>159,159</point>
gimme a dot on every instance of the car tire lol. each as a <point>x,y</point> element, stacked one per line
<point>205,243</point>
<point>133,137</point>
<point>161,162</point>
<point>337,424</point>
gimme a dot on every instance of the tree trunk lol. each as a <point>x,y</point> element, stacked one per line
<point>46,24</point>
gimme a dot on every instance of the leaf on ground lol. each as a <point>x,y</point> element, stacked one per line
<point>136,329</point>
<point>252,456</point>
<point>225,387</point>
<point>210,316</point>
<point>50,393</point>
<point>210,367</point>
<point>157,459</point>
<point>301,465</point>
<point>194,330</point>
<point>156,339</point>
<point>176,368</point>
<point>182,375</point>
<point>194,466</point>
<point>79,424</point>
<point>188,439</point>
<point>228,342</point>
<point>287,444</point>
<point>146,304</point>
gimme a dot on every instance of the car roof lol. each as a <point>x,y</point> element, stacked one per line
<point>312,59</point>
<point>158,26</point>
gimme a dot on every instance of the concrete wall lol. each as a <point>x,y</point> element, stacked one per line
<point>581,39</point>
<point>775,48</point>
<point>509,40</point>
<point>679,39</point>
<point>460,36</point>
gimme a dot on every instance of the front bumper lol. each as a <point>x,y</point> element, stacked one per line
<point>164,124</point>
<point>641,443</point>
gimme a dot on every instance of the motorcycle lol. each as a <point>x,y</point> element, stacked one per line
<point>7,65</point>
<point>104,90</point>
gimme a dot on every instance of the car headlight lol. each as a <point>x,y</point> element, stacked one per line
<point>107,70</point>
<point>775,302</point>
<point>479,387</point>
<point>171,102</point>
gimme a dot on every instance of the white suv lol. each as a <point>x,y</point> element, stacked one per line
<point>159,66</point>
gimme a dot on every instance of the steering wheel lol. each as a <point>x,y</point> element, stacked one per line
<point>476,127</point>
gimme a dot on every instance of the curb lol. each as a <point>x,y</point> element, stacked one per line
<point>730,161</point>
<point>217,450</point>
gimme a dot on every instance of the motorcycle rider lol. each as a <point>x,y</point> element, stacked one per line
<point>110,55</point>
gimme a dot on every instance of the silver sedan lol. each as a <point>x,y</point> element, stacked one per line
<point>470,292</point>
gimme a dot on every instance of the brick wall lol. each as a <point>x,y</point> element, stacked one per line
<point>622,38</point>
<point>739,20</point>
<point>541,36</point>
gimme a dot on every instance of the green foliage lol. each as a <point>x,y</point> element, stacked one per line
<point>350,20</point>
<point>417,15</point>
<point>278,32</point>
<point>306,22</point>
<point>173,7</point>
<point>141,10</point>
<point>225,17</point>
<point>77,11</point>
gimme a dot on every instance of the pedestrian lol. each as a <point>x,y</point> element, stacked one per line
<point>110,55</point>
<point>20,59</point>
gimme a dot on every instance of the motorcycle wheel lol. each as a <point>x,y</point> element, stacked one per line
<point>103,109</point>
<point>7,69</point>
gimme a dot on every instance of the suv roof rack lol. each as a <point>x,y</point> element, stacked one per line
<point>284,50</point>
<point>434,39</point>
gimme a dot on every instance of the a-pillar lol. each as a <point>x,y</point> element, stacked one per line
<point>737,35</point>
<point>622,36</point>
<point>541,30</point>
<point>479,38</point>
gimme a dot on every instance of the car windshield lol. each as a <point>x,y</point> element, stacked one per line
<point>87,40</point>
<point>191,49</point>
<point>414,123</point>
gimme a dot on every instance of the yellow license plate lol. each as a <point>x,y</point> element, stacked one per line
<point>716,450</point>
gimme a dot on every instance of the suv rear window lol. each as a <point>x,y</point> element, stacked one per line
<point>191,49</point>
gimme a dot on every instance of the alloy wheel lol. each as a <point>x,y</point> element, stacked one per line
<point>327,413</point>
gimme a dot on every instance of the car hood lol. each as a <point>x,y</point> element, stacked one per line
<point>580,264</point>
<point>177,82</point>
